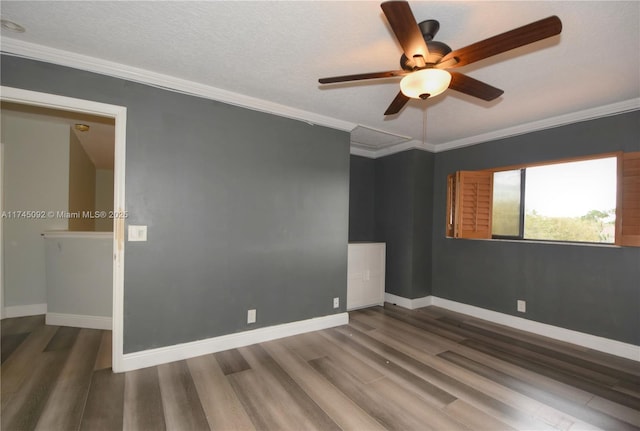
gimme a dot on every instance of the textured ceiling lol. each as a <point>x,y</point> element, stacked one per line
<point>276,51</point>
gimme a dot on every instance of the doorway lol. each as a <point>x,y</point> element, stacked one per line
<point>118,114</point>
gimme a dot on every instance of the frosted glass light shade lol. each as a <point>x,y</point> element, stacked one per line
<point>425,83</point>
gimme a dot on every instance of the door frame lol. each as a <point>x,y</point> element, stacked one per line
<point>119,114</point>
<point>1,231</point>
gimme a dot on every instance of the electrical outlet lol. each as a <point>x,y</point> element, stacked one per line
<point>522,306</point>
<point>336,302</point>
<point>251,316</point>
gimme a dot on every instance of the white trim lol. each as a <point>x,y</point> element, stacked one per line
<point>119,114</point>
<point>24,310</point>
<point>20,48</point>
<point>72,234</point>
<point>614,347</point>
<point>534,126</point>
<point>78,321</point>
<point>594,342</point>
<point>163,355</point>
<point>409,145</point>
<point>356,151</point>
<point>360,307</point>
<point>411,304</point>
<point>147,77</point>
<point>119,205</point>
<point>547,123</point>
<point>414,144</point>
<point>1,232</point>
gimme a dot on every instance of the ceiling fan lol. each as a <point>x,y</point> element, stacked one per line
<point>424,61</point>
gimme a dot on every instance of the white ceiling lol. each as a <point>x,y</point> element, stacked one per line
<point>276,51</point>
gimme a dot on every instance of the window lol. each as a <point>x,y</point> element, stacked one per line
<point>573,201</point>
<point>590,200</point>
<point>508,209</point>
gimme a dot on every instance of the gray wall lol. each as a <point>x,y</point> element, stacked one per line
<point>592,289</point>
<point>361,199</point>
<point>244,209</point>
<point>394,219</point>
<point>588,288</point>
<point>399,187</point>
<point>422,174</point>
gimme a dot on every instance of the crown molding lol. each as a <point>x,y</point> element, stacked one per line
<point>547,123</point>
<point>398,148</point>
<point>34,51</point>
<point>414,144</point>
<point>357,151</point>
<point>534,126</point>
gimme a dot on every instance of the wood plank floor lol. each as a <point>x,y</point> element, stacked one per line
<point>390,368</point>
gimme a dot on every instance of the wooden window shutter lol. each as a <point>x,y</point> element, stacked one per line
<point>474,199</point>
<point>628,211</point>
<point>471,203</point>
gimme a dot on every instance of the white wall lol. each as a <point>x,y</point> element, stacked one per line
<point>36,177</point>
<point>79,274</point>
<point>82,186</point>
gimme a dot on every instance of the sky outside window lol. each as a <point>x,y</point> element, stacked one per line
<point>572,189</point>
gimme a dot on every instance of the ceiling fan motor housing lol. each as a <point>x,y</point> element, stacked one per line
<point>437,50</point>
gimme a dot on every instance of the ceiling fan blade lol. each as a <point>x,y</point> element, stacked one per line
<point>360,76</point>
<point>515,38</point>
<point>473,87</point>
<point>406,29</point>
<point>397,104</point>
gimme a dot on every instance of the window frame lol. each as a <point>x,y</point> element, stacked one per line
<point>627,199</point>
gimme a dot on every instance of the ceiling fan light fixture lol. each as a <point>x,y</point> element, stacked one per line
<point>425,83</point>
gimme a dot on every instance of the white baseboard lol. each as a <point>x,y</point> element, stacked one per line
<point>614,347</point>
<point>79,321</point>
<point>411,304</point>
<point>24,310</point>
<point>359,307</point>
<point>163,355</point>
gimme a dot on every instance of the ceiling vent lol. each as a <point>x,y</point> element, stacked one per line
<point>372,139</point>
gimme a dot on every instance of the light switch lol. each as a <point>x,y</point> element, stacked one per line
<point>137,233</point>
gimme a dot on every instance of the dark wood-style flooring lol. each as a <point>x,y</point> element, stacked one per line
<point>390,368</point>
